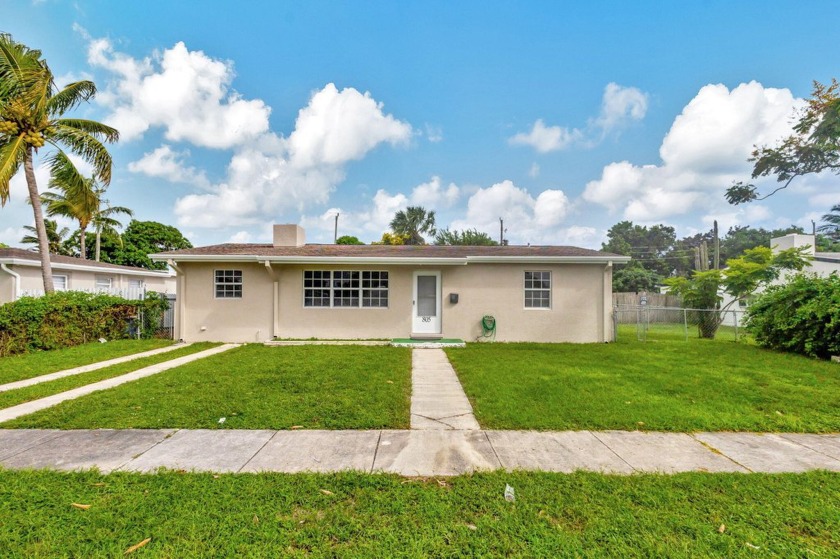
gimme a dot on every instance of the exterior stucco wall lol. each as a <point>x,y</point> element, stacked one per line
<point>580,307</point>
<point>205,318</point>
<point>80,280</point>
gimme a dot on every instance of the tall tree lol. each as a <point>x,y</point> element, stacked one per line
<point>142,238</point>
<point>813,147</point>
<point>73,196</point>
<point>467,237</point>
<point>31,110</point>
<point>648,246</point>
<point>412,223</point>
<point>56,238</point>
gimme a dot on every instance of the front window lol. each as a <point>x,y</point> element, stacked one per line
<point>537,290</point>
<point>60,283</point>
<point>345,288</point>
<point>103,283</point>
<point>228,284</point>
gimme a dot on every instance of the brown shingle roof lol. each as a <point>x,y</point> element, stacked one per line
<point>55,259</point>
<point>387,251</point>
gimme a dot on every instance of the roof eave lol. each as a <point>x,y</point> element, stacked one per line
<point>83,268</point>
<point>393,260</point>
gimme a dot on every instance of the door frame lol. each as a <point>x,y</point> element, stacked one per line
<point>438,330</point>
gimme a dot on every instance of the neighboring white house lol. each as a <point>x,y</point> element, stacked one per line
<point>822,264</point>
<point>20,275</point>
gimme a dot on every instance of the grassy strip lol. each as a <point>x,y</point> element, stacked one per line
<point>357,515</point>
<point>254,387</point>
<point>28,365</point>
<point>29,393</point>
<point>692,385</point>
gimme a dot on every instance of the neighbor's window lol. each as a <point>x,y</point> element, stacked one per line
<point>228,284</point>
<point>345,288</point>
<point>60,283</point>
<point>135,284</point>
<point>103,282</point>
<point>537,290</point>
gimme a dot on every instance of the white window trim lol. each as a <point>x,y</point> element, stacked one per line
<point>361,290</point>
<point>550,291</point>
<point>216,284</point>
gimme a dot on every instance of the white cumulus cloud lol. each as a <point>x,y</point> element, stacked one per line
<point>706,149</point>
<point>619,106</point>
<point>164,162</point>
<point>186,93</point>
<point>301,171</point>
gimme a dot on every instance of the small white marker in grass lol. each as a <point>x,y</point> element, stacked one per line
<point>222,419</point>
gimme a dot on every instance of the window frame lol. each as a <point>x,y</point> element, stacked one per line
<point>66,282</point>
<point>217,284</point>
<point>526,289</point>
<point>98,279</point>
<point>358,286</point>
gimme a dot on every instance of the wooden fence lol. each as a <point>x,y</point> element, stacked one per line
<point>660,306</point>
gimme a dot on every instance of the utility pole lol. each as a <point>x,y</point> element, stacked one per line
<point>813,228</point>
<point>501,232</point>
<point>717,247</point>
<point>335,233</point>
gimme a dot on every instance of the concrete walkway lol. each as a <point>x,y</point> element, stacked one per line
<point>417,452</point>
<point>87,368</point>
<point>14,412</point>
<point>438,401</point>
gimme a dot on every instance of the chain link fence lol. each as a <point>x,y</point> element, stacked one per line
<point>649,323</point>
<point>157,321</point>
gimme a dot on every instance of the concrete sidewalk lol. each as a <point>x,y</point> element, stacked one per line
<point>417,452</point>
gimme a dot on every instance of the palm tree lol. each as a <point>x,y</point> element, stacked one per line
<point>31,108</point>
<point>56,237</point>
<point>412,222</point>
<point>104,222</point>
<point>79,198</point>
<point>832,222</point>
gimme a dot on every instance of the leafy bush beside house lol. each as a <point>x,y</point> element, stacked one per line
<point>62,319</point>
<point>801,316</point>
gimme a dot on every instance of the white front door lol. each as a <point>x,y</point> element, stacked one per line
<point>426,307</point>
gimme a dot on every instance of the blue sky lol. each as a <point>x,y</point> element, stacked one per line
<point>561,118</point>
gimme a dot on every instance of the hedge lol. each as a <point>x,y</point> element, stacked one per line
<point>63,319</point>
<point>801,316</point>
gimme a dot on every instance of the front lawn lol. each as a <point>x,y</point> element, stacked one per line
<point>254,387</point>
<point>41,390</point>
<point>664,385</point>
<point>28,365</point>
<point>358,515</point>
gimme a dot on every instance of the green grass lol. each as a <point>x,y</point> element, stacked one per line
<point>28,365</point>
<point>662,385</point>
<point>555,515</point>
<point>254,387</point>
<point>29,393</point>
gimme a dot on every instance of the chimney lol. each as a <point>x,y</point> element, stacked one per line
<point>289,235</point>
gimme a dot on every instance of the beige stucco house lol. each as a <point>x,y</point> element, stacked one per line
<point>290,289</point>
<point>20,275</point>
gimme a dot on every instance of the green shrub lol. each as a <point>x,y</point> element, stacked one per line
<point>62,319</point>
<point>801,316</point>
<point>153,306</point>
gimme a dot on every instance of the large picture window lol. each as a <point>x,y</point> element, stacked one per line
<point>537,290</point>
<point>345,288</point>
<point>228,284</point>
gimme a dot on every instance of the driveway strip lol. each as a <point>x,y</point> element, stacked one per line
<point>37,405</point>
<point>88,368</point>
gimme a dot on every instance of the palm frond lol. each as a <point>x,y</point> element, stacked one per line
<point>87,147</point>
<point>101,132</point>
<point>71,96</point>
<point>12,153</point>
